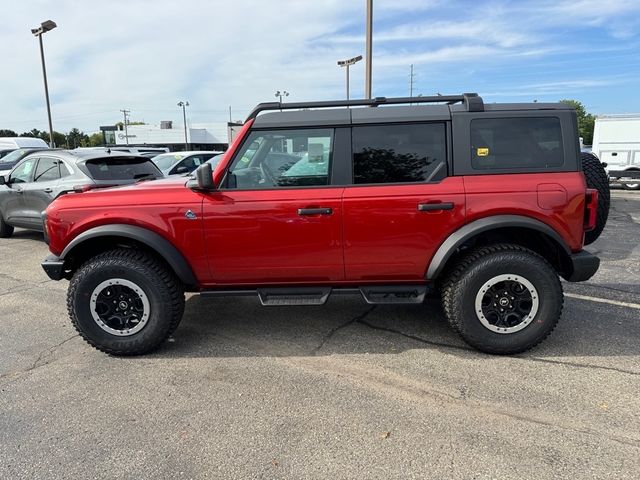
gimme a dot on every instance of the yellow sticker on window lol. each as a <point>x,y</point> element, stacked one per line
<point>482,151</point>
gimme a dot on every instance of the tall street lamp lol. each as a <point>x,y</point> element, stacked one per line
<point>348,63</point>
<point>281,94</point>
<point>38,31</point>
<point>184,105</point>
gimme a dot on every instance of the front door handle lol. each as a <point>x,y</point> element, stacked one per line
<point>315,211</point>
<point>48,190</point>
<point>432,207</point>
<point>18,190</point>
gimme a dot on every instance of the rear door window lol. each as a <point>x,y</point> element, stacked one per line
<point>399,153</point>
<point>516,143</point>
<point>122,168</point>
<point>48,169</point>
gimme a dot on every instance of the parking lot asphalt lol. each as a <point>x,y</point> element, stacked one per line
<point>341,391</point>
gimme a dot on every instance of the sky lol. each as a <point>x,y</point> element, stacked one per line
<point>145,56</point>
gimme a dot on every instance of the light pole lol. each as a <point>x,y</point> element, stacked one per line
<point>348,63</point>
<point>38,31</point>
<point>369,48</point>
<point>184,105</point>
<point>281,94</point>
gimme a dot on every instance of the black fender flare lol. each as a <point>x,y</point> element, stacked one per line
<point>160,245</point>
<point>457,238</point>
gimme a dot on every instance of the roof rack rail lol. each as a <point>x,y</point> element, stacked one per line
<point>472,102</point>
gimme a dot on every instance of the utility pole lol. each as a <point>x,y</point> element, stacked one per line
<point>411,76</point>
<point>184,105</point>
<point>230,121</point>
<point>125,114</point>
<point>369,47</point>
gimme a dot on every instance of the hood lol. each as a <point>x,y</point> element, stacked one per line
<point>155,192</point>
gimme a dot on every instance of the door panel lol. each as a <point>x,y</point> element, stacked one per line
<point>257,237</point>
<point>41,191</point>
<point>392,231</point>
<point>14,208</point>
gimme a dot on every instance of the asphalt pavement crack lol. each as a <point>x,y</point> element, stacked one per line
<point>462,348</point>
<point>43,358</point>
<point>412,337</point>
<point>333,331</point>
<point>581,365</point>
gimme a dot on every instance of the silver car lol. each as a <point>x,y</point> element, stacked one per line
<point>41,177</point>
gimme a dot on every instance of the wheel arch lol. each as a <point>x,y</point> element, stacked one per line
<point>525,231</point>
<point>105,237</point>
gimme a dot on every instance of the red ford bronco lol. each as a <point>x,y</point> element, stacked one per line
<point>390,198</point>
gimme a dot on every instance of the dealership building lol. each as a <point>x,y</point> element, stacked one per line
<point>166,134</point>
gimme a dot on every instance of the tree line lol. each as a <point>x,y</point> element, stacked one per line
<point>73,139</point>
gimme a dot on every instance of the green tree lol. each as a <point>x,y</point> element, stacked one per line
<point>96,140</point>
<point>76,138</point>
<point>34,132</point>
<point>7,133</point>
<point>59,139</point>
<point>586,120</point>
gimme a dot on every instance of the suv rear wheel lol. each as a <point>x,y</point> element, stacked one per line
<point>125,302</point>
<point>502,299</point>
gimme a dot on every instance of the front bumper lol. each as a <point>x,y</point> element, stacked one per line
<point>53,267</point>
<point>584,266</point>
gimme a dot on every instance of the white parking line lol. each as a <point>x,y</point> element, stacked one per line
<point>603,300</point>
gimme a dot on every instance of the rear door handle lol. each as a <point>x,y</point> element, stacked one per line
<point>48,190</point>
<point>431,207</point>
<point>315,211</point>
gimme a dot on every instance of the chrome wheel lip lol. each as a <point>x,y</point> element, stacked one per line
<point>535,303</point>
<point>125,283</point>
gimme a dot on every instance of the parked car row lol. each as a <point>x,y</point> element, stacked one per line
<point>31,178</point>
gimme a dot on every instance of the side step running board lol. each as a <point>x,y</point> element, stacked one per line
<point>394,294</point>
<point>293,296</point>
<point>280,296</point>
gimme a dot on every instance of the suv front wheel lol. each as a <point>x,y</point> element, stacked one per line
<point>502,299</point>
<point>125,302</point>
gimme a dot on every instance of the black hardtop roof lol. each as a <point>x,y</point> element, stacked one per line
<point>403,109</point>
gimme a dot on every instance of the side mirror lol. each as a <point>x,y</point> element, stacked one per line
<point>182,170</point>
<point>204,177</point>
<point>3,180</point>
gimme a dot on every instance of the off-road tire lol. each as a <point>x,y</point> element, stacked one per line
<point>468,275</point>
<point>160,286</point>
<point>596,177</point>
<point>5,230</point>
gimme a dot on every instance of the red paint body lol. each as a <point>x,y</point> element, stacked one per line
<point>375,234</point>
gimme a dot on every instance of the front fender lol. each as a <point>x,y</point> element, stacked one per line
<point>160,245</point>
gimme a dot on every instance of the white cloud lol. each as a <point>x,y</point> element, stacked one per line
<point>146,55</point>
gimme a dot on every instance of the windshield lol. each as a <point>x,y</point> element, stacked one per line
<point>165,160</point>
<point>14,156</point>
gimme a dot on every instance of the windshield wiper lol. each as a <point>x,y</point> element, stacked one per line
<point>145,176</point>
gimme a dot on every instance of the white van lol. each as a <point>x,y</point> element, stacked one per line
<point>13,143</point>
<point>616,141</point>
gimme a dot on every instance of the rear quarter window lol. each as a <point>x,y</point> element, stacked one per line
<point>516,143</point>
<point>122,168</point>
